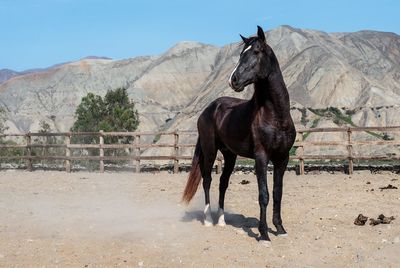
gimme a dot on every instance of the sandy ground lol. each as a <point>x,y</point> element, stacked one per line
<point>51,219</point>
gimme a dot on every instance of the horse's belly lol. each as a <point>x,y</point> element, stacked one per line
<point>242,147</point>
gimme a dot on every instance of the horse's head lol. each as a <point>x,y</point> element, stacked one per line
<point>253,63</point>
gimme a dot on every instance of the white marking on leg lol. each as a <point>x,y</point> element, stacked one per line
<point>221,217</point>
<point>207,216</point>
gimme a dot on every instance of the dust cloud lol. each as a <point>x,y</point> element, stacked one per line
<point>87,209</point>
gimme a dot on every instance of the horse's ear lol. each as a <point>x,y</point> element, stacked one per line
<point>245,40</point>
<point>260,33</point>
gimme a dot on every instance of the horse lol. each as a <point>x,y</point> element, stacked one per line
<point>260,128</point>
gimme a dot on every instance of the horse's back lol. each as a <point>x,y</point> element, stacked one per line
<point>218,109</point>
<point>227,123</point>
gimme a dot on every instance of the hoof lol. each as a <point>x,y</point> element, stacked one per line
<point>208,223</point>
<point>265,243</point>
<point>221,218</point>
<point>280,231</point>
<point>221,222</point>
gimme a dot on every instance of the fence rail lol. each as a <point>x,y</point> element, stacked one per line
<point>136,146</point>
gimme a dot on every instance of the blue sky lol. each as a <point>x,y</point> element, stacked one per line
<point>40,33</point>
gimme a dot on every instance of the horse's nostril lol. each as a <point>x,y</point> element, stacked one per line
<point>234,79</point>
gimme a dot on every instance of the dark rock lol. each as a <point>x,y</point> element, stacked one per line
<point>360,220</point>
<point>374,222</point>
<point>385,220</point>
<point>381,219</point>
<point>388,187</point>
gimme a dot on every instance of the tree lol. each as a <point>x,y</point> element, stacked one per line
<point>3,119</point>
<point>44,128</point>
<point>89,113</point>
<point>8,151</point>
<point>121,114</point>
<point>113,113</point>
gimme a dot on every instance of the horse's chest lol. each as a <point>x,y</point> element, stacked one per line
<point>274,140</point>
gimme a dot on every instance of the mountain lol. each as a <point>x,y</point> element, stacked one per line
<point>6,74</point>
<point>358,73</point>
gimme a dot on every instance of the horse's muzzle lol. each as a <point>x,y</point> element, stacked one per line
<point>234,85</point>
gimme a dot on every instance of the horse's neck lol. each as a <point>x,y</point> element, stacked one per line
<point>273,91</point>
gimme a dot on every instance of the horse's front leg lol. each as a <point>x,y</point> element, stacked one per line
<point>279,170</point>
<point>261,161</point>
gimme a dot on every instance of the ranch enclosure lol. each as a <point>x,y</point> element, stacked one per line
<point>125,219</point>
<point>108,218</point>
<point>136,150</point>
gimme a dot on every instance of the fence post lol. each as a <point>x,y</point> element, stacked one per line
<point>101,151</point>
<point>176,152</point>
<point>350,151</point>
<point>28,151</point>
<point>67,153</point>
<point>301,153</point>
<point>218,170</point>
<point>137,154</point>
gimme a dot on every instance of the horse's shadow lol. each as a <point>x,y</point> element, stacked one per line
<point>235,220</point>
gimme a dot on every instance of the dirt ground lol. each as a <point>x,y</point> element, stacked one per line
<point>51,219</point>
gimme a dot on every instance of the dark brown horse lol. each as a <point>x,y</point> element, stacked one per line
<point>260,128</point>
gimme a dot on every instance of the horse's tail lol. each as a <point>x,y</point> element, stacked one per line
<point>194,176</point>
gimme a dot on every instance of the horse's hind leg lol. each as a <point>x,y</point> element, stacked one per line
<point>279,170</point>
<point>209,154</point>
<point>229,164</point>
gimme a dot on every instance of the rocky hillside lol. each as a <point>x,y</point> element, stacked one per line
<point>6,74</point>
<point>160,85</point>
<point>357,73</point>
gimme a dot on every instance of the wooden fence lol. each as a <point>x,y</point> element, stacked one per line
<point>136,147</point>
<point>348,143</point>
